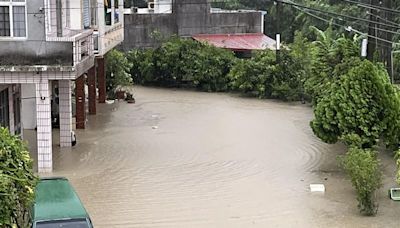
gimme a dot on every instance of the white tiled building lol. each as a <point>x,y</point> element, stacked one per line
<point>46,48</point>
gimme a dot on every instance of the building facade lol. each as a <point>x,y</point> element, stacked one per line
<point>186,18</point>
<point>49,51</point>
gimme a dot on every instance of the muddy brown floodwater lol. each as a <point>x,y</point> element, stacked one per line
<point>191,159</point>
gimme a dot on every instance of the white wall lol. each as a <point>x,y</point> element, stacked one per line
<point>28,110</point>
<point>163,6</point>
<point>76,14</point>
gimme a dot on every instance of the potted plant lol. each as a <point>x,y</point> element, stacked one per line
<point>129,98</point>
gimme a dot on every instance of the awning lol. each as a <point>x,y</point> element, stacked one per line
<point>238,42</point>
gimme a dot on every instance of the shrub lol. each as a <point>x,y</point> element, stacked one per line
<point>17,181</point>
<point>361,108</point>
<point>254,76</point>
<point>362,166</point>
<point>264,77</point>
<point>183,62</point>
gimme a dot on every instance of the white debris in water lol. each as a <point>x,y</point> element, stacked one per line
<point>155,127</point>
<point>154,116</point>
<point>317,188</point>
<point>110,101</point>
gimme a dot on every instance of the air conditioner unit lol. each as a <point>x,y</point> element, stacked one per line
<point>150,4</point>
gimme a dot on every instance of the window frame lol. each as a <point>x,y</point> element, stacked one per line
<point>11,5</point>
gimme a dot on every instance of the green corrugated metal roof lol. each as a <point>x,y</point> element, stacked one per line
<point>56,199</point>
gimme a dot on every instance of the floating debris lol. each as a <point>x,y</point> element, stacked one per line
<point>317,188</point>
<point>155,127</point>
<point>394,194</point>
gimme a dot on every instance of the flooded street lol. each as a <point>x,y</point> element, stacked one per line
<point>191,159</point>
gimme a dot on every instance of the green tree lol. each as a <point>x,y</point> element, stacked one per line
<point>360,108</point>
<point>117,71</point>
<point>330,59</point>
<point>362,166</point>
<point>262,76</point>
<point>17,181</point>
<point>254,76</point>
<point>183,62</point>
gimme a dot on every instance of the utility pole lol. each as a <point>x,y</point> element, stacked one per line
<point>372,42</point>
<point>278,30</point>
<point>389,36</point>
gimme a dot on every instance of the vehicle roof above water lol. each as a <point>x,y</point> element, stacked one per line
<point>56,199</point>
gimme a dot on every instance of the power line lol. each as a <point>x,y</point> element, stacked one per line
<point>361,24</point>
<point>336,14</point>
<point>343,26</point>
<point>382,18</point>
<point>369,6</point>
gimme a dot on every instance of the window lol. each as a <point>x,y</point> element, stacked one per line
<point>72,223</point>
<point>12,18</point>
<point>4,115</point>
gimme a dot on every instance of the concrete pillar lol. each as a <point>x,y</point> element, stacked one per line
<point>43,124</point>
<point>64,88</point>
<point>80,102</point>
<point>101,79</point>
<point>92,90</point>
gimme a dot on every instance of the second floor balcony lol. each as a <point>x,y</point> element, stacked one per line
<point>67,18</point>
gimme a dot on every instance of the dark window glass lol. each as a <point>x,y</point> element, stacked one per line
<point>4,112</point>
<point>81,223</point>
<point>4,21</point>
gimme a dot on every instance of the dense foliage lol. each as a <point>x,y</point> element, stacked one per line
<point>362,166</point>
<point>265,77</point>
<point>330,58</point>
<point>361,107</point>
<point>17,181</point>
<point>354,102</point>
<point>182,62</point>
<point>117,71</point>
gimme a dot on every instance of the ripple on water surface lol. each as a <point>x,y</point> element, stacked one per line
<point>213,161</point>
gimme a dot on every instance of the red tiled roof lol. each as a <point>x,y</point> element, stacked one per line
<point>238,42</point>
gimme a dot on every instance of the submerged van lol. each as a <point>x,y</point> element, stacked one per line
<point>58,205</point>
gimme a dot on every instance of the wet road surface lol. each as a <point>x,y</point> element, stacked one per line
<point>191,159</point>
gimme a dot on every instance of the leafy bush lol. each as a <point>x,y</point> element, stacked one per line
<point>360,108</point>
<point>182,62</point>
<point>117,71</point>
<point>329,56</point>
<point>17,181</point>
<point>264,77</point>
<point>254,76</point>
<point>362,166</point>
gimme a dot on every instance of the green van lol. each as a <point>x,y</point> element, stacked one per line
<point>58,205</point>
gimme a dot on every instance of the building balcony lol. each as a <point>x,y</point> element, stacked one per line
<point>107,38</point>
<point>109,29</point>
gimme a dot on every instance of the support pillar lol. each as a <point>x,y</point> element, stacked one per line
<point>80,102</point>
<point>101,79</point>
<point>92,90</point>
<point>43,125</point>
<point>64,87</point>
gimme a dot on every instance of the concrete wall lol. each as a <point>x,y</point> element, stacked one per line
<point>139,27</point>
<point>189,17</point>
<point>35,50</point>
